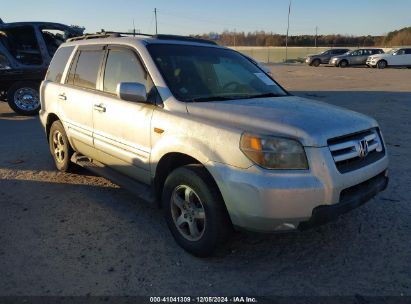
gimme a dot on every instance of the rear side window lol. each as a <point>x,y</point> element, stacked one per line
<point>84,72</point>
<point>408,51</point>
<point>122,66</point>
<point>58,63</point>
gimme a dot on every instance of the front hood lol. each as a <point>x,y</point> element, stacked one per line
<point>311,122</point>
<point>380,56</point>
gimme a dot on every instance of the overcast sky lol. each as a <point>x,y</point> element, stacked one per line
<point>353,17</point>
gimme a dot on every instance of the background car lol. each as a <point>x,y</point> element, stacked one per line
<point>357,57</point>
<point>395,58</point>
<point>26,49</point>
<point>324,57</point>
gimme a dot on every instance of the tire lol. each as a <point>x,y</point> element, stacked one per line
<point>60,148</point>
<point>343,64</point>
<point>316,63</point>
<point>23,98</point>
<point>195,211</point>
<point>382,64</point>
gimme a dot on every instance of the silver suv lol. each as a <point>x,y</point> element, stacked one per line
<point>357,57</point>
<point>204,133</point>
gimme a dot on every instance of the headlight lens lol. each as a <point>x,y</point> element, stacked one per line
<point>4,63</point>
<point>274,152</point>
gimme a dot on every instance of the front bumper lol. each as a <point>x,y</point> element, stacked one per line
<point>371,63</point>
<point>351,199</point>
<point>334,62</point>
<point>268,201</point>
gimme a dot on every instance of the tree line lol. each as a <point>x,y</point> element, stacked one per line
<point>262,38</point>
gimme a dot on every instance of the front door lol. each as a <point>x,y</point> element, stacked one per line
<point>122,128</point>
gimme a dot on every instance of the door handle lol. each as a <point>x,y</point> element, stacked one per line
<point>63,96</point>
<point>100,108</point>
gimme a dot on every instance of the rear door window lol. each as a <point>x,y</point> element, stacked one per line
<point>59,63</point>
<point>84,71</point>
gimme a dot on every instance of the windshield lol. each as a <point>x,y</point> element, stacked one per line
<point>198,73</point>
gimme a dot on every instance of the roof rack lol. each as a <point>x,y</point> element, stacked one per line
<point>104,34</point>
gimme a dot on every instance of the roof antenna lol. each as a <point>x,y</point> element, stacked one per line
<point>134,29</point>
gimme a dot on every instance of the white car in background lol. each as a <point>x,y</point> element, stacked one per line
<point>394,58</point>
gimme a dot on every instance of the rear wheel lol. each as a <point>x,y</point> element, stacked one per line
<point>195,211</point>
<point>343,64</point>
<point>316,62</point>
<point>60,147</point>
<point>23,98</point>
<point>382,64</point>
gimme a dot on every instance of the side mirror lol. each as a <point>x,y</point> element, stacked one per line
<point>131,91</point>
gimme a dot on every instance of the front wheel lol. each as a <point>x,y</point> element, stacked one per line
<point>195,211</point>
<point>343,64</point>
<point>382,64</point>
<point>316,63</point>
<point>60,147</point>
<point>23,98</point>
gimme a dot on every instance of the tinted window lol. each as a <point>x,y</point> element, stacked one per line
<point>58,63</point>
<point>408,51</point>
<point>21,42</point>
<point>53,38</point>
<point>122,66</point>
<point>84,73</point>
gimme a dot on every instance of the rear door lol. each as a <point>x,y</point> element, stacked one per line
<point>77,95</point>
<point>122,128</point>
<point>399,58</point>
<point>362,59</point>
<point>407,61</point>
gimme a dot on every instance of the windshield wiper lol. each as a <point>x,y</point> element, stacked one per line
<point>233,97</point>
<point>212,98</point>
<point>262,95</point>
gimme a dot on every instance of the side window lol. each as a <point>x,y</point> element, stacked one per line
<point>401,52</point>
<point>84,72</point>
<point>58,63</point>
<point>53,38</point>
<point>122,66</point>
<point>21,41</point>
<point>408,51</point>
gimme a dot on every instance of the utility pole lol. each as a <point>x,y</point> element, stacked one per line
<point>235,36</point>
<point>288,28</point>
<point>155,16</point>
<point>316,35</point>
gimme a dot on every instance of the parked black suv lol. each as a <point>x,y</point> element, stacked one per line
<point>26,49</point>
<point>324,57</point>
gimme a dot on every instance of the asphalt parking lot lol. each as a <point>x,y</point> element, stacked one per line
<point>78,234</point>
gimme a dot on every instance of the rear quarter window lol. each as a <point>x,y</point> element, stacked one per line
<point>58,63</point>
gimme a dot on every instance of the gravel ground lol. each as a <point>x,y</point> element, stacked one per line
<point>78,234</point>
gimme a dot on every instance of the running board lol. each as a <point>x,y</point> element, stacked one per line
<point>141,190</point>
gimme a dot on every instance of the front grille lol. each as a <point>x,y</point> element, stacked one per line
<point>357,150</point>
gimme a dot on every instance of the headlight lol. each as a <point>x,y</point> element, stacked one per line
<point>274,152</point>
<point>4,63</point>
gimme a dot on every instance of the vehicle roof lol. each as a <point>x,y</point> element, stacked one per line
<point>139,40</point>
<point>36,23</point>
